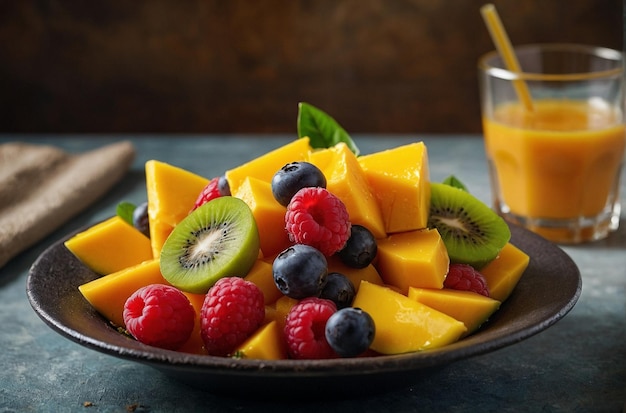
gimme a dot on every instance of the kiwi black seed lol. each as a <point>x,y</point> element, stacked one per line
<point>218,239</point>
<point>472,232</point>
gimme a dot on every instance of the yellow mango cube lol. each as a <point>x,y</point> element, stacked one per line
<point>503,273</point>
<point>110,246</point>
<point>271,314</point>
<point>471,308</point>
<point>282,306</point>
<point>355,275</point>
<point>194,344</point>
<point>172,193</point>
<point>109,293</point>
<point>262,276</point>
<point>404,325</point>
<point>399,179</point>
<point>265,166</point>
<point>268,214</point>
<point>345,179</point>
<point>267,343</point>
<point>413,259</point>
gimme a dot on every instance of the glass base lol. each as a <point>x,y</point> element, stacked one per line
<point>568,231</point>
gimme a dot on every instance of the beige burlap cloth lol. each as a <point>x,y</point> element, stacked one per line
<point>42,187</point>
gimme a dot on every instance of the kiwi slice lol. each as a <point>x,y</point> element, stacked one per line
<point>218,239</point>
<point>472,232</point>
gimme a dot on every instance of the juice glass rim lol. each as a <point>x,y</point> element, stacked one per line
<point>485,62</point>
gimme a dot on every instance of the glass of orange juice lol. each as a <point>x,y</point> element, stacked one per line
<point>555,151</point>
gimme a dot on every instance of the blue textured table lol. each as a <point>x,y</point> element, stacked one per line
<point>579,364</point>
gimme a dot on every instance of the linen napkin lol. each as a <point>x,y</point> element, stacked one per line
<point>42,187</point>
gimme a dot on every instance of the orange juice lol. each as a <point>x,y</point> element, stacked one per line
<point>562,161</point>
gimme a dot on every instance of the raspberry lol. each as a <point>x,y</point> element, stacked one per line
<point>318,218</point>
<point>209,192</point>
<point>159,315</point>
<point>305,329</point>
<point>232,310</point>
<point>465,277</point>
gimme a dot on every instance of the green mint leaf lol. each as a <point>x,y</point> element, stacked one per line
<point>125,210</point>
<point>321,128</point>
<point>455,182</point>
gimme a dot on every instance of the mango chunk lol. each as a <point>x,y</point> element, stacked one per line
<point>404,325</point>
<point>281,309</point>
<point>110,246</point>
<point>471,308</point>
<point>346,180</point>
<point>355,275</point>
<point>271,314</point>
<point>268,213</point>
<point>265,166</point>
<point>262,276</point>
<point>172,192</point>
<point>503,273</point>
<point>267,343</point>
<point>109,293</point>
<point>195,345</point>
<point>413,259</point>
<point>399,179</point>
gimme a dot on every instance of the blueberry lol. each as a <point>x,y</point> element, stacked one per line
<point>140,219</point>
<point>300,271</point>
<point>293,177</point>
<point>338,289</point>
<point>223,187</point>
<point>350,331</point>
<point>360,249</point>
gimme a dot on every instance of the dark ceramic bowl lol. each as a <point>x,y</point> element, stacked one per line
<point>546,292</point>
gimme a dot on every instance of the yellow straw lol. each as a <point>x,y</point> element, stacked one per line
<point>503,45</point>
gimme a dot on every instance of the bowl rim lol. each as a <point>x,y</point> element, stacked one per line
<point>481,342</point>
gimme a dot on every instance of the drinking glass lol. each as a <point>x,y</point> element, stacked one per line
<point>554,138</point>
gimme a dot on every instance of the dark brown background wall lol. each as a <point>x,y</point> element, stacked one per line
<point>397,66</point>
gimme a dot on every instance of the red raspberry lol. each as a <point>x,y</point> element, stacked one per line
<point>210,191</point>
<point>465,277</point>
<point>232,310</point>
<point>159,315</point>
<point>318,218</point>
<point>305,329</point>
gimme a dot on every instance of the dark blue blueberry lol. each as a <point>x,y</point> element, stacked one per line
<point>140,219</point>
<point>300,271</point>
<point>360,249</point>
<point>350,331</point>
<point>338,289</point>
<point>293,177</point>
<point>223,187</point>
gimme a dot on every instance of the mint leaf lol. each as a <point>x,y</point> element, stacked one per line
<point>455,182</point>
<point>125,210</point>
<point>321,128</point>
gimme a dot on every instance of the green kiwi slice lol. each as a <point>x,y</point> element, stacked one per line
<point>218,239</point>
<point>472,232</point>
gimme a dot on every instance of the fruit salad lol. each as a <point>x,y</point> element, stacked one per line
<point>310,251</point>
